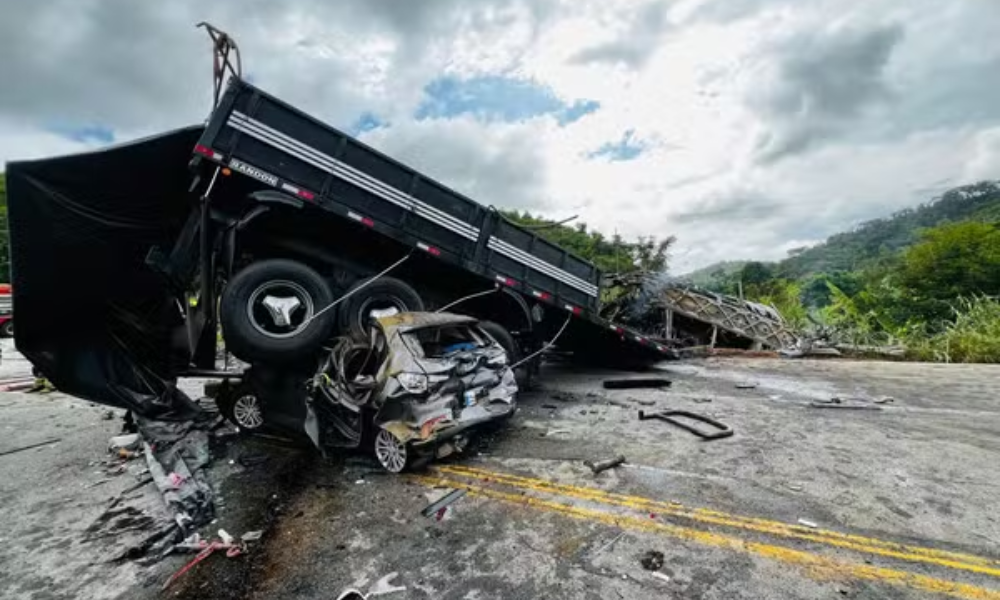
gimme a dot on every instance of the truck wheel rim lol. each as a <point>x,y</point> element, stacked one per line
<point>263,318</point>
<point>247,412</point>
<point>390,451</point>
<point>380,303</point>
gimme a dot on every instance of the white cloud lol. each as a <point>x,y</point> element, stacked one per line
<point>985,160</point>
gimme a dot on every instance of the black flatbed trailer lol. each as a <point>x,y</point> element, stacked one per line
<point>254,134</point>
<point>158,229</point>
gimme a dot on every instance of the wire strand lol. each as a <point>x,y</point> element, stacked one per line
<point>360,287</point>
<point>547,345</point>
<point>495,289</point>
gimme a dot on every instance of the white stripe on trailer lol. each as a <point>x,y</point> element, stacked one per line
<point>540,265</point>
<point>556,274</point>
<point>362,180</point>
<point>350,174</point>
<point>290,188</point>
<point>355,216</point>
<point>545,267</point>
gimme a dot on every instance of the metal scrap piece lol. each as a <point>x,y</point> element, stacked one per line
<point>641,382</point>
<point>443,502</point>
<point>604,465</point>
<point>724,430</point>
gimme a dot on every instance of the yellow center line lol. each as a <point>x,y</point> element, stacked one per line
<point>942,558</point>
<point>816,566</point>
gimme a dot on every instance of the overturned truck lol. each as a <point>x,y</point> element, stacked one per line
<point>286,235</point>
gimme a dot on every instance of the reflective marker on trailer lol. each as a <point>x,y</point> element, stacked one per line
<point>541,295</point>
<point>641,340</point>
<point>361,219</point>
<point>506,280</point>
<point>615,328</point>
<point>206,151</point>
<point>301,193</point>
<point>429,249</point>
<point>574,309</point>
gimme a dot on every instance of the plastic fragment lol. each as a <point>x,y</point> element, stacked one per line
<point>225,537</point>
<point>384,586</point>
<point>253,536</point>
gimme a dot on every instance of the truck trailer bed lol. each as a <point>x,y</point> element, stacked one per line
<point>262,137</point>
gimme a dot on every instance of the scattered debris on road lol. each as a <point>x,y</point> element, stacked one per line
<point>613,541</point>
<point>662,576</point>
<point>669,416</point>
<point>807,523</point>
<point>128,441</point>
<point>29,446</point>
<point>644,401</point>
<point>553,432</point>
<point>442,503</point>
<point>840,405</point>
<point>746,386</point>
<point>652,560</point>
<point>252,536</point>
<point>385,586</point>
<point>644,382</point>
<point>207,549</point>
<point>562,396</point>
<point>604,465</point>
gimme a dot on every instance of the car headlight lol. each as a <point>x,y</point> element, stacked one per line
<point>414,383</point>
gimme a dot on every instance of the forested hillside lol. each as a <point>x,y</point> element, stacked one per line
<point>879,238</point>
<point>928,277</point>
<point>872,240</point>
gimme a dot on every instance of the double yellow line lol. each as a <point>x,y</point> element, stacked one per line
<point>814,564</point>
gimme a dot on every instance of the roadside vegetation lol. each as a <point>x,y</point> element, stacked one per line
<point>926,278</point>
<point>612,255</point>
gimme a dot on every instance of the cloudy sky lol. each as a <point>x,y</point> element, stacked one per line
<point>743,127</point>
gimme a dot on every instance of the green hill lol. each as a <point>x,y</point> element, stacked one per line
<point>872,240</point>
<point>877,238</point>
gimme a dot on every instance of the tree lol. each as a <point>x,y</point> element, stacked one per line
<point>755,273</point>
<point>951,261</point>
<point>614,256</point>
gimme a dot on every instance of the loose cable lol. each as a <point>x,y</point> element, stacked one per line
<point>545,347</point>
<point>359,288</point>
<point>495,289</point>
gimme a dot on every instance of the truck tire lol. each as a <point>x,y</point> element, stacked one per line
<point>268,312</point>
<point>7,329</point>
<point>503,337</point>
<point>382,294</point>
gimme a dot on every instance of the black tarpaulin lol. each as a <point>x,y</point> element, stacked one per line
<point>97,321</point>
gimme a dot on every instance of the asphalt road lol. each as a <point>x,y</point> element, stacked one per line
<point>801,502</point>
